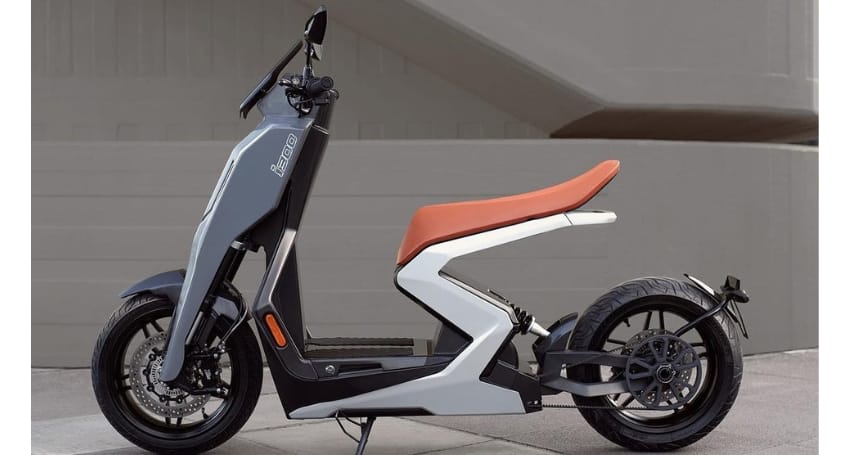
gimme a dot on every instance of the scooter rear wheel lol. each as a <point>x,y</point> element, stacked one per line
<point>637,310</point>
<point>146,411</point>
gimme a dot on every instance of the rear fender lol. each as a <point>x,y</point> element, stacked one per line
<point>559,336</point>
<point>727,298</point>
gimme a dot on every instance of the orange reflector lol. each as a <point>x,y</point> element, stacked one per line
<point>274,327</point>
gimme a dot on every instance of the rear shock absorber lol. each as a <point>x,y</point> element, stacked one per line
<point>528,323</point>
<point>524,318</point>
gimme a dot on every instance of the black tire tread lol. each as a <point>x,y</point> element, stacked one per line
<point>620,296</point>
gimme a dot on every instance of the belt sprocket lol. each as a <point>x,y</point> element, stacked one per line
<point>663,371</point>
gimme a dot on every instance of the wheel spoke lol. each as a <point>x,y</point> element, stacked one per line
<point>661,319</point>
<point>647,321</point>
<point>616,341</point>
<point>179,421</point>
<point>687,366</point>
<point>628,401</point>
<point>659,357</point>
<point>156,326</point>
<point>642,363</point>
<point>657,398</point>
<point>146,331</point>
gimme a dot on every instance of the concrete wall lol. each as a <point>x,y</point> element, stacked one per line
<point>109,213</point>
<point>687,69</point>
<point>659,53</point>
<point>178,69</point>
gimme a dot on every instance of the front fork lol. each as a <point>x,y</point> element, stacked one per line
<point>200,335</point>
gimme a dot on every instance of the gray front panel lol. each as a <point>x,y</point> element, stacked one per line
<point>250,186</point>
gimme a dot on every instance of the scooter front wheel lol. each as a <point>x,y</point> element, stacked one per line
<point>150,414</point>
<point>682,386</point>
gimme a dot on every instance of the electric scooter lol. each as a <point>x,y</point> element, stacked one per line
<point>653,364</point>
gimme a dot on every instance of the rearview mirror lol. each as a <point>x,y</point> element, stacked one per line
<point>314,32</point>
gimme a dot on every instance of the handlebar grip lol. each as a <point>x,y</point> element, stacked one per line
<point>316,86</point>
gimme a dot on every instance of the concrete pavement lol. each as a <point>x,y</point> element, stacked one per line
<point>776,413</point>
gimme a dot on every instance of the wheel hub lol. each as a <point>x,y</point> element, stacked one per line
<point>660,368</point>
<point>150,391</point>
<point>665,373</point>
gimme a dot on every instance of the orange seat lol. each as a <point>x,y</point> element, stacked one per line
<point>441,222</point>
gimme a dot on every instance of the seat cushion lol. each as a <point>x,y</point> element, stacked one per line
<point>441,222</point>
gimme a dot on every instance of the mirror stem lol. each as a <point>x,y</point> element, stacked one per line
<point>307,73</point>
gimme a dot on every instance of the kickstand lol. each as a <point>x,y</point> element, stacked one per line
<point>365,429</point>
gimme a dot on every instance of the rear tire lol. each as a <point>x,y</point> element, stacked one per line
<point>695,419</point>
<point>109,379</point>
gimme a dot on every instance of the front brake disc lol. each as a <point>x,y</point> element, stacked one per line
<point>153,394</point>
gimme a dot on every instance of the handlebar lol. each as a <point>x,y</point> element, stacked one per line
<point>317,86</point>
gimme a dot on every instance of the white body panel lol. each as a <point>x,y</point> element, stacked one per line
<point>583,217</point>
<point>457,389</point>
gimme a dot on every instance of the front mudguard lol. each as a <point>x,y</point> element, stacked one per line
<point>169,284</point>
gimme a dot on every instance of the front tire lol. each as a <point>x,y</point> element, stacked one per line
<point>127,395</point>
<point>623,310</point>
